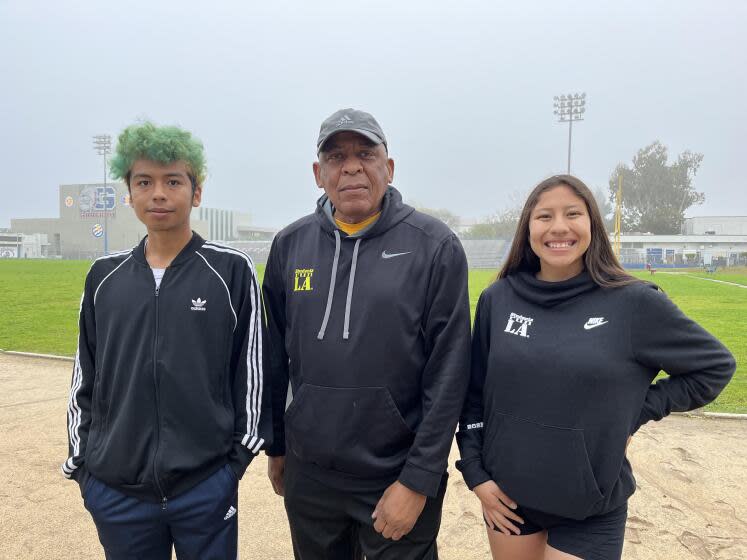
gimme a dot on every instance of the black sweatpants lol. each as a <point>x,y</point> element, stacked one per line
<point>328,524</point>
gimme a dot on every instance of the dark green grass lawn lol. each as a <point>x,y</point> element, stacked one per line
<point>40,302</point>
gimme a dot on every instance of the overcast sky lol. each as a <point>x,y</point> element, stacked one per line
<point>463,90</point>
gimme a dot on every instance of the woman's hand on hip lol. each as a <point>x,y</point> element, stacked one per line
<point>498,508</point>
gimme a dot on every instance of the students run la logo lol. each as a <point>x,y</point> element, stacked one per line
<point>302,280</point>
<point>518,325</point>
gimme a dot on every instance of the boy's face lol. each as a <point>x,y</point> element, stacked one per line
<point>162,196</point>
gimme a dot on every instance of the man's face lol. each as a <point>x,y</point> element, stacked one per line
<point>161,194</point>
<point>355,174</point>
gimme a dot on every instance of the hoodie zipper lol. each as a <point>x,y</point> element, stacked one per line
<point>164,500</point>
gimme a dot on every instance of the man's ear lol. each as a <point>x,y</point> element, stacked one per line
<point>317,174</point>
<point>390,167</point>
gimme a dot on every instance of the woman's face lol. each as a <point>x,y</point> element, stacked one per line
<point>559,233</point>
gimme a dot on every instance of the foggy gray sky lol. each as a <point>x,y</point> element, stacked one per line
<point>463,91</point>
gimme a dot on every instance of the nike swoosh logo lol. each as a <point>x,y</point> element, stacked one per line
<point>587,326</point>
<point>385,255</point>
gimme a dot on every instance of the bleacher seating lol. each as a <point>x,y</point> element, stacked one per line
<point>257,250</point>
<point>485,253</point>
<point>481,253</point>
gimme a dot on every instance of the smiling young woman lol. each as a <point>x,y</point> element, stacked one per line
<point>559,233</point>
<point>563,356</point>
<point>574,202</point>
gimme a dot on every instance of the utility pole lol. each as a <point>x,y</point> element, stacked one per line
<point>618,214</point>
<point>570,108</point>
<point>102,143</point>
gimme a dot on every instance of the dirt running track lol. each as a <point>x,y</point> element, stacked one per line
<point>691,502</point>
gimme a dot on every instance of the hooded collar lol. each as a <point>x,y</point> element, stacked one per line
<point>549,294</point>
<point>185,254</point>
<point>393,211</point>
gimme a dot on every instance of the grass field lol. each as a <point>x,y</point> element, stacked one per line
<point>722,310</point>
<point>40,302</point>
<point>736,275</point>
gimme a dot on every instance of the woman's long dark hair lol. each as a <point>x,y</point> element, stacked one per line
<point>601,263</point>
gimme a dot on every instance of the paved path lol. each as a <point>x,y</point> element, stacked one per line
<point>691,502</point>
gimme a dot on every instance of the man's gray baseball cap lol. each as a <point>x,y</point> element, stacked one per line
<point>350,120</point>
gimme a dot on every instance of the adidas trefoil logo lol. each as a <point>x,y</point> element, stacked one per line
<point>198,304</point>
<point>230,513</point>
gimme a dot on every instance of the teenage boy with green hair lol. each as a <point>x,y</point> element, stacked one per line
<point>166,405</point>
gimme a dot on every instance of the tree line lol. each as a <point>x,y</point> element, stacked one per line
<point>656,194</point>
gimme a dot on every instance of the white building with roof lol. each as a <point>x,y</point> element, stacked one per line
<point>682,250</point>
<point>715,225</point>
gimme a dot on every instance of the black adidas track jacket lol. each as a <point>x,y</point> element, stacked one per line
<point>168,384</point>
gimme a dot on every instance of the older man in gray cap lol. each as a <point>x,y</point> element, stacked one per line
<point>368,317</point>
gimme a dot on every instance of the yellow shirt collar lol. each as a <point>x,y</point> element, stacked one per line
<point>352,229</point>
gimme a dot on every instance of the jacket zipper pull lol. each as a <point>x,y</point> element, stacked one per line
<point>164,501</point>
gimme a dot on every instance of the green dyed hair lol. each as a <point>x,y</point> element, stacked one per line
<point>164,144</point>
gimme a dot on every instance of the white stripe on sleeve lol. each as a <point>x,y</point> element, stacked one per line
<point>254,376</point>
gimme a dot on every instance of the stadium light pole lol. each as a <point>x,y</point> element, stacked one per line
<point>102,143</point>
<point>570,108</point>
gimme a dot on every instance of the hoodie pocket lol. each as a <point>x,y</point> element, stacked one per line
<point>546,468</point>
<point>357,431</point>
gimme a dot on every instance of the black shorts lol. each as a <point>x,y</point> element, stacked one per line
<point>599,537</point>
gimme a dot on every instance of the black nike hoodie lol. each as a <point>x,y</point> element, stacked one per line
<point>561,376</point>
<point>373,332</point>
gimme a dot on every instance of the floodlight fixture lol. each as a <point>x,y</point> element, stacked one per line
<point>102,143</point>
<point>569,108</point>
